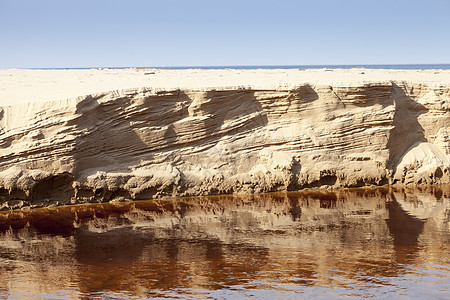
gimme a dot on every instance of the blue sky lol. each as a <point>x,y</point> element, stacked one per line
<point>109,33</point>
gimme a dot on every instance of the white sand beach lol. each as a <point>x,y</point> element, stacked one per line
<point>25,85</point>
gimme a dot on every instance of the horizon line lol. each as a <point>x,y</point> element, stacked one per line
<point>232,66</point>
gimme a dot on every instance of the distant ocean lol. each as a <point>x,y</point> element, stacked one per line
<point>393,67</point>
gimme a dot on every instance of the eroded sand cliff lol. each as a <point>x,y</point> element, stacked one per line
<point>277,130</point>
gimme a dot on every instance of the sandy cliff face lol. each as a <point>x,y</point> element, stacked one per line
<point>149,143</point>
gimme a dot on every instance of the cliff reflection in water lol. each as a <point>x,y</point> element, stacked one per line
<point>370,242</point>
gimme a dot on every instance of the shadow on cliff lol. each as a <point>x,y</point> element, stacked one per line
<point>407,130</point>
<point>106,137</point>
<point>222,113</point>
<point>118,130</point>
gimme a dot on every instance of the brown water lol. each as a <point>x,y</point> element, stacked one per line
<point>378,243</point>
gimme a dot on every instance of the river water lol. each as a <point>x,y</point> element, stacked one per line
<point>375,243</point>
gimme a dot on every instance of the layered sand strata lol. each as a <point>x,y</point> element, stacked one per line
<point>72,136</point>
